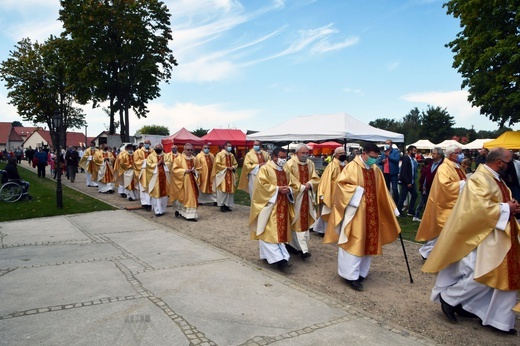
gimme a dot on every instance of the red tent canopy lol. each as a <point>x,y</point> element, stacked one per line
<point>332,145</point>
<point>181,137</point>
<point>221,136</point>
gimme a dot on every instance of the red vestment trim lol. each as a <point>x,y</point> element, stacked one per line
<point>282,208</point>
<point>208,178</point>
<point>163,189</point>
<point>228,178</point>
<point>372,214</point>
<point>303,173</point>
<point>460,173</point>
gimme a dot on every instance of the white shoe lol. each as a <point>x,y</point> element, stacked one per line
<point>416,219</point>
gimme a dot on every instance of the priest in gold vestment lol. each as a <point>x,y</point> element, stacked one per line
<point>140,156</point>
<point>206,160</point>
<point>254,159</point>
<point>446,187</point>
<point>125,173</point>
<point>272,211</point>
<point>103,160</point>
<point>477,254</point>
<point>86,163</point>
<point>225,178</point>
<point>183,187</point>
<point>327,187</point>
<point>157,180</point>
<point>304,206</point>
<point>363,217</point>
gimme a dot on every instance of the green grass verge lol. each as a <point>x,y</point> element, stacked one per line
<point>43,204</point>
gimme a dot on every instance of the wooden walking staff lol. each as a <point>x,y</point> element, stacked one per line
<point>406,259</point>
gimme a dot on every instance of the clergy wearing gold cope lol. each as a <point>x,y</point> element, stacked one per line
<point>183,187</point>
<point>363,217</point>
<point>225,177</point>
<point>327,187</point>
<point>125,173</point>
<point>85,162</point>
<point>157,180</point>
<point>103,160</point>
<point>272,211</point>
<point>140,156</point>
<point>206,161</point>
<point>304,206</point>
<point>254,159</point>
<point>477,254</point>
<point>446,187</point>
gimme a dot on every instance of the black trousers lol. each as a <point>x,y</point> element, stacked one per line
<point>41,169</point>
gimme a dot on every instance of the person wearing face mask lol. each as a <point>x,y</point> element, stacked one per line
<point>407,176</point>
<point>254,159</point>
<point>183,187</point>
<point>124,169</point>
<point>86,163</point>
<point>158,179</point>
<point>477,254</point>
<point>103,160</point>
<point>206,160</point>
<point>326,189</point>
<point>225,178</point>
<point>140,157</point>
<point>170,157</point>
<point>363,217</point>
<point>304,206</point>
<point>446,187</point>
<point>272,209</point>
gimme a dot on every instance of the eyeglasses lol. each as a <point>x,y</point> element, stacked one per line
<point>506,162</point>
<point>373,157</point>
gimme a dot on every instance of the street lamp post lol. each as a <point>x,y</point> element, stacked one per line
<point>57,121</point>
<point>86,126</point>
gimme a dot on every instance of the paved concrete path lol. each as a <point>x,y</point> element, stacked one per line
<point>116,278</point>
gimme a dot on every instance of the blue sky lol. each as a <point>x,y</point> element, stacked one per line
<point>254,64</point>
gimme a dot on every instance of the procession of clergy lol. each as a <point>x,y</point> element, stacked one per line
<point>469,226</point>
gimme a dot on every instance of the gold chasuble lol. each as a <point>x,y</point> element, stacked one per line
<point>270,221</point>
<point>105,172</point>
<point>206,166</point>
<point>443,195</point>
<point>225,179</point>
<point>363,230</point>
<point>89,165</point>
<point>472,225</point>
<point>305,212</point>
<point>124,170</point>
<point>183,185</point>
<point>251,161</point>
<point>157,177</point>
<point>327,187</point>
<point>140,156</point>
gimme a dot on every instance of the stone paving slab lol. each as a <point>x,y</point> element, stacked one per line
<point>134,322</point>
<point>38,231</point>
<point>234,302</point>
<point>33,288</point>
<point>28,256</point>
<point>163,248</point>
<point>111,222</point>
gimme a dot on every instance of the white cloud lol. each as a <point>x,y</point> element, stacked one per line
<point>352,91</point>
<point>455,102</point>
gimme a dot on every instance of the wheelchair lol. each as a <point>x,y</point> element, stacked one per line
<point>13,191</point>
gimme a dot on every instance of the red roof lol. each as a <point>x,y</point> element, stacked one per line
<point>221,136</point>
<point>24,131</point>
<point>5,129</point>
<point>73,138</point>
<point>182,136</point>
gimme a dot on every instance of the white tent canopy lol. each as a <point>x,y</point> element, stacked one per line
<point>447,143</point>
<point>477,143</point>
<point>337,126</point>
<point>423,144</point>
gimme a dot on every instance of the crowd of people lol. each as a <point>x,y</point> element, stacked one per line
<point>466,218</point>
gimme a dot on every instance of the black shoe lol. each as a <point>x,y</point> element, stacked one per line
<point>306,255</point>
<point>192,220</point>
<point>461,312</point>
<point>283,264</point>
<point>361,278</point>
<point>423,258</point>
<point>161,214</point>
<point>448,310</point>
<point>227,208</point>
<point>131,199</point>
<point>123,195</point>
<point>177,214</point>
<point>214,204</point>
<point>291,249</point>
<point>223,209</point>
<point>355,284</point>
<point>511,331</point>
<point>147,207</point>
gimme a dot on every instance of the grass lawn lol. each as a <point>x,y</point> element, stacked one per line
<point>43,204</point>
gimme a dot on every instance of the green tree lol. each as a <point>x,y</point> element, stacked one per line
<point>39,84</point>
<point>487,55</point>
<point>386,124</point>
<point>200,132</point>
<point>411,126</point>
<point>154,130</point>
<point>121,53</point>
<point>437,124</point>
